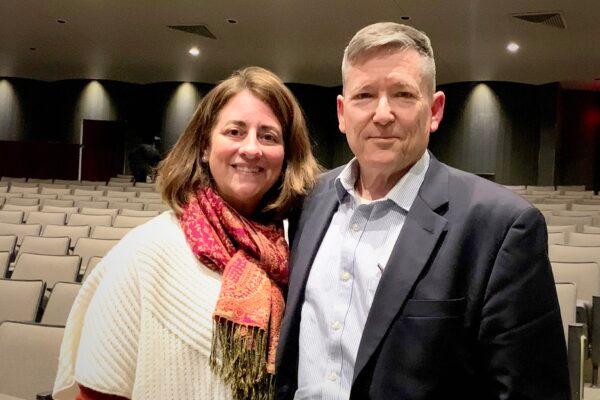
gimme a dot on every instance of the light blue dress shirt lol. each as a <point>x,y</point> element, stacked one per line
<point>343,280</point>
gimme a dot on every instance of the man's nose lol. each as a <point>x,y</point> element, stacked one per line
<point>383,113</point>
<point>250,146</point>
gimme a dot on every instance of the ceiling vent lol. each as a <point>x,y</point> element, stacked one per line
<point>554,19</point>
<point>200,30</point>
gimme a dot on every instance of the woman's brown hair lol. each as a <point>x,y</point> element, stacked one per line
<point>182,172</point>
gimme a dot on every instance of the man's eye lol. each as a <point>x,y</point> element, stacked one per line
<point>404,94</point>
<point>363,95</point>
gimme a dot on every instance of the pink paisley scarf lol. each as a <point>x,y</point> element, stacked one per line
<point>253,259</point>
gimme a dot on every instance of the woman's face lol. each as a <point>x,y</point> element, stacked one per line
<point>246,151</point>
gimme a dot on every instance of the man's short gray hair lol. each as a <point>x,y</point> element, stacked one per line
<point>393,36</point>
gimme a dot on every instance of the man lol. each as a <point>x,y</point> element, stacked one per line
<point>411,279</point>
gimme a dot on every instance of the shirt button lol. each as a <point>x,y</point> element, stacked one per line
<point>355,227</point>
<point>346,276</point>
<point>332,377</point>
<point>336,325</point>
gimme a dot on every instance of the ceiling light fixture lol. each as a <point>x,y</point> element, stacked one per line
<point>61,21</point>
<point>232,21</point>
<point>194,51</point>
<point>512,47</point>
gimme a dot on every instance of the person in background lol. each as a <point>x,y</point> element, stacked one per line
<point>189,305</point>
<point>411,280</point>
<point>143,159</point>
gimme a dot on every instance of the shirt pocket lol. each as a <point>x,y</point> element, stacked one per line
<point>447,308</point>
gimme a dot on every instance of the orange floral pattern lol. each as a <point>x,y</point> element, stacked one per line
<point>253,260</point>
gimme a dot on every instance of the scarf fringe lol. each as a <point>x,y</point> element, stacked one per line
<point>243,365</point>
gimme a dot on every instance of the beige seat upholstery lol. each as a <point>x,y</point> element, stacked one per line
<point>109,199</point>
<point>38,180</point>
<point>153,185</point>
<point>74,197</point>
<point>57,246</point>
<point>557,238</point>
<point>561,228</point>
<point>90,267</point>
<point>10,195</point>
<point>4,263</point>
<point>65,181</point>
<point>585,275</point>
<point>54,185</point>
<point>591,229</point>
<point>120,184</point>
<point>125,205</point>
<point>585,207</point>
<point>27,209</point>
<point>108,232</point>
<point>29,354</point>
<point>579,222</point>
<point>149,195</point>
<point>8,243</point>
<point>550,207</point>
<point>40,197</point>
<point>55,190</point>
<point>583,239</point>
<point>91,220</point>
<point>93,183</point>
<point>61,209</point>
<point>88,248</point>
<point>157,207</point>
<point>50,269</point>
<point>20,300</point>
<point>128,195</point>
<point>56,203</point>
<point>541,188</point>
<point>60,302</point>
<point>91,204</point>
<point>568,202</point>
<point>22,201</point>
<point>72,232</point>
<point>577,213</point>
<point>579,188</point>
<point>11,216</point>
<point>129,177</point>
<point>47,218</point>
<point>24,189</point>
<point>20,230</point>
<point>573,254</point>
<point>567,301</point>
<point>121,180</point>
<point>114,191</point>
<point>139,189</point>
<point>99,211</point>
<point>138,213</point>
<point>86,192</point>
<point>124,221</point>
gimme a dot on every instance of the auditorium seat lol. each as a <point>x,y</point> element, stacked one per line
<point>4,263</point>
<point>90,267</point>
<point>22,201</point>
<point>11,216</point>
<point>20,230</point>
<point>139,189</point>
<point>3,189</point>
<point>579,222</point>
<point>125,176</point>
<point>91,193</point>
<point>60,302</point>
<point>47,218</point>
<point>126,205</point>
<point>108,232</point>
<point>561,228</point>
<point>8,243</point>
<point>58,191</point>
<point>57,203</point>
<point>557,238</point>
<point>99,211</point>
<point>157,207</point>
<point>580,193</point>
<point>153,185</point>
<point>567,301</point>
<point>61,209</point>
<point>9,195</point>
<point>66,181</point>
<point>550,207</point>
<point>49,268</point>
<point>573,254</point>
<point>78,186</point>
<point>140,213</point>
<point>120,180</point>
<point>90,220</point>
<point>40,196</point>
<point>93,183</point>
<point>124,221</point>
<point>109,199</point>
<point>128,195</point>
<point>576,213</point>
<point>585,207</point>
<point>149,195</point>
<point>33,188</point>
<point>591,229</point>
<point>578,188</point>
<point>26,209</point>
<point>72,232</point>
<point>20,300</point>
<point>583,239</point>
<point>541,188</point>
<point>12,179</point>
<point>74,197</point>
<point>119,184</point>
<point>91,204</point>
<point>52,246</point>
<point>568,202</point>
<point>53,186</point>
<point>38,181</point>
<point>88,248</point>
<point>29,354</point>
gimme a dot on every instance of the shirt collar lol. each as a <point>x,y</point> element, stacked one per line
<point>404,191</point>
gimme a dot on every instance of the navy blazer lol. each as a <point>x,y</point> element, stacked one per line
<point>466,307</point>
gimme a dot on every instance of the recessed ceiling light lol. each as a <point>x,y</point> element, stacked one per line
<point>61,21</point>
<point>194,51</point>
<point>32,48</point>
<point>512,47</point>
<point>232,21</point>
<point>405,17</point>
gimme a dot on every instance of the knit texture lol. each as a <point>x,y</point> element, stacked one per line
<point>141,326</point>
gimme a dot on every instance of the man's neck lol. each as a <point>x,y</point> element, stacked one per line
<point>374,185</point>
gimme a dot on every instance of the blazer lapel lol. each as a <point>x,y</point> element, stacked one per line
<point>416,242</point>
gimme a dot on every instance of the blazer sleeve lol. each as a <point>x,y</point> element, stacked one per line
<point>523,345</point>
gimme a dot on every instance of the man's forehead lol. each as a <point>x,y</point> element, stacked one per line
<point>406,66</point>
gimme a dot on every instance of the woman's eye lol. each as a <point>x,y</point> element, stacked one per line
<point>233,132</point>
<point>270,137</point>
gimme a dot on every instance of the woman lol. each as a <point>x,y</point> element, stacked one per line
<point>188,305</point>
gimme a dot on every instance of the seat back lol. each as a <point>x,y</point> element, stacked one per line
<point>8,243</point>
<point>157,207</point>
<point>561,228</point>
<point>585,207</point>
<point>61,209</point>
<point>4,261</point>
<point>23,201</point>
<point>86,192</point>
<point>55,246</point>
<point>557,238</point>
<point>576,254</point>
<point>60,302</point>
<point>567,301</point>
<point>591,229</point>
<point>91,204</point>
<point>585,276</point>
<point>55,190</point>
<point>149,195</point>
<point>138,213</point>
<point>583,239</point>
<point>550,207</point>
<point>91,220</point>
<point>90,267</point>
<point>126,205</point>
<point>29,354</point>
<point>20,300</point>
<point>47,218</point>
<point>579,222</point>
<point>11,216</point>
<point>50,269</point>
<point>72,232</point>
<point>27,209</point>
<point>124,221</point>
<point>20,230</point>
<point>108,232</point>
<point>99,211</point>
<point>24,189</point>
<point>88,248</point>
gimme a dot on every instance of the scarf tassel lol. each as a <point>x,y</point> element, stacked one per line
<point>243,367</point>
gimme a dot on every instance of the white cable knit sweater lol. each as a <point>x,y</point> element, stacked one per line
<point>141,326</point>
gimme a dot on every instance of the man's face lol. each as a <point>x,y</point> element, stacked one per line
<point>387,111</point>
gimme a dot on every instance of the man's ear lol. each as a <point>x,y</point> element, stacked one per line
<point>340,113</point>
<point>437,110</point>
